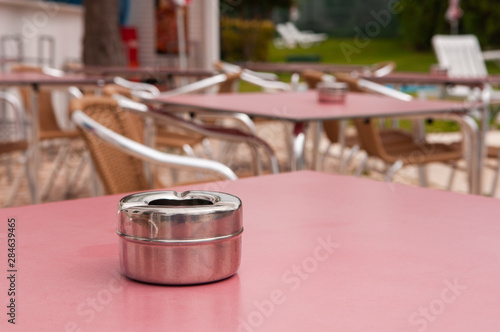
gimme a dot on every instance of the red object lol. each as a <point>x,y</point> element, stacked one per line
<point>320,252</point>
<point>129,38</point>
<point>454,12</point>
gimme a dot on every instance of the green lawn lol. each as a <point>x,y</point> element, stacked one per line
<point>377,50</point>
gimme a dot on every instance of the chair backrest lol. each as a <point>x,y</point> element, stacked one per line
<point>47,121</point>
<point>13,131</point>
<point>114,89</point>
<point>312,78</point>
<point>351,81</point>
<point>293,30</point>
<point>368,135</point>
<point>285,33</point>
<point>228,85</point>
<point>460,54</point>
<point>119,171</point>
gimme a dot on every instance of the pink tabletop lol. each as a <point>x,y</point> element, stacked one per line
<point>39,78</point>
<point>297,67</point>
<point>428,78</point>
<point>105,70</point>
<point>303,106</point>
<point>320,253</point>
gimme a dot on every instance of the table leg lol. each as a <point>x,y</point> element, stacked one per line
<point>298,138</point>
<point>485,124</point>
<point>317,128</point>
<point>341,139</point>
<point>470,127</point>
<point>35,143</point>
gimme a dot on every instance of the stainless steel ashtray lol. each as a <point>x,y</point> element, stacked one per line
<point>173,238</point>
<point>332,92</point>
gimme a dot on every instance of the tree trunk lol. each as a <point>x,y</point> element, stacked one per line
<point>102,44</point>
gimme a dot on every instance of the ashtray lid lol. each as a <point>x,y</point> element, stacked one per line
<point>177,216</point>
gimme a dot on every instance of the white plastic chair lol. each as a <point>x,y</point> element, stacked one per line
<point>461,55</point>
<point>290,37</point>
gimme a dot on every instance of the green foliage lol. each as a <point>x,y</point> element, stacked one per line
<point>420,20</point>
<point>254,9</point>
<point>482,18</point>
<point>245,40</point>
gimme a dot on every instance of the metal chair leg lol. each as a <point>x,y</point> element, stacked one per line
<point>392,170</point>
<point>299,137</point>
<point>15,186</point>
<point>323,156</point>
<point>350,156</point>
<point>73,180</point>
<point>422,175</point>
<point>188,150</point>
<point>495,178</point>
<point>95,183</point>
<point>452,176</point>
<point>207,146</point>
<point>58,162</point>
<point>362,166</point>
<point>31,176</point>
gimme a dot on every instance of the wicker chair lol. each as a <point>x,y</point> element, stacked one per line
<point>225,83</point>
<point>48,128</point>
<point>397,151</point>
<point>14,139</point>
<point>112,136</point>
<point>165,136</point>
<point>332,128</point>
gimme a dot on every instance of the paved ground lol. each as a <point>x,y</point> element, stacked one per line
<point>238,158</point>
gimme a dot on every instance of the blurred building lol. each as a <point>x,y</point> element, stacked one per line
<point>51,32</point>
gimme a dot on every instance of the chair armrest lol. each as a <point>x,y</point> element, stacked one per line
<point>493,55</point>
<point>243,119</point>
<point>196,86</point>
<point>19,114</point>
<point>274,85</point>
<point>149,88</point>
<point>383,90</point>
<point>146,153</point>
<point>53,72</point>
<point>229,67</point>
<point>255,78</point>
<point>223,133</point>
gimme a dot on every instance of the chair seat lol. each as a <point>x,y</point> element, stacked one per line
<point>168,138</point>
<point>55,134</point>
<point>7,147</point>
<point>493,151</point>
<point>388,136</point>
<point>420,153</point>
<point>395,136</point>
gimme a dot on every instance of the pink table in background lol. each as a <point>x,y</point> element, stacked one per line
<point>483,83</point>
<point>37,81</point>
<point>320,253</point>
<point>303,108</point>
<point>298,67</point>
<point>150,71</point>
<point>429,78</point>
<point>155,73</point>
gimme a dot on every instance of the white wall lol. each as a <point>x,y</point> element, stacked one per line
<point>32,18</point>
